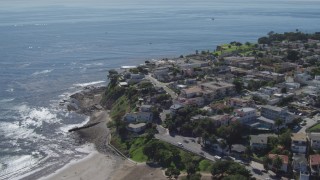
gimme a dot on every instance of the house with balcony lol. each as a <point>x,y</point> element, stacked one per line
<point>299,143</point>
<point>274,113</point>
<point>300,163</point>
<point>239,102</point>
<point>220,120</point>
<point>245,115</point>
<point>314,139</point>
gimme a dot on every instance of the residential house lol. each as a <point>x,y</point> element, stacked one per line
<point>270,76</point>
<point>216,90</point>
<point>274,113</point>
<point>130,117</point>
<point>314,163</point>
<point>191,92</point>
<point>299,143</point>
<point>239,102</point>
<point>196,101</point>
<point>245,115</point>
<point>314,139</point>
<point>302,78</point>
<point>146,108</point>
<point>258,142</point>
<point>144,117</point>
<point>138,117</point>
<point>220,120</point>
<point>238,150</point>
<point>269,90</point>
<point>137,128</point>
<point>299,163</point>
<point>285,161</point>
<point>135,78</point>
<point>175,108</point>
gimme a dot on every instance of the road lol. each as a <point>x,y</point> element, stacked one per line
<point>188,143</point>
<point>310,122</point>
<point>163,85</point>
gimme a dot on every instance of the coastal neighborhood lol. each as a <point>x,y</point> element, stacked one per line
<point>256,104</point>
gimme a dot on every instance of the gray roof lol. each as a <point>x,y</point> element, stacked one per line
<point>314,136</point>
<point>259,139</point>
<point>261,118</point>
<point>238,148</point>
<point>299,158</point>
<point>274,108</point>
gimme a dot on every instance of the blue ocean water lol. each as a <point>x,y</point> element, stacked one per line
<point>49,49</point>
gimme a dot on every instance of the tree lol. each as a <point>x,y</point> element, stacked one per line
<point>266,161</point>
<point>284,90</point>
<point>278,122</point>
<point>190,167</point>
<point>277,163</point>
<point>172,172</point>
<point>113,77</point>
<point>285,139</point>
<point>293,55</point>
<point>238,85</point>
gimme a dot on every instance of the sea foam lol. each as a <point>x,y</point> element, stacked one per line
<point>88,84</point>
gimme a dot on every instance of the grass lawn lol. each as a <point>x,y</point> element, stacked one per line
<point>136,150</point>
<point>315,128</point>
<point>120,107</point>
<point>244,49</point>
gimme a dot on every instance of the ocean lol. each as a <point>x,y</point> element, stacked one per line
<point>50,49</point>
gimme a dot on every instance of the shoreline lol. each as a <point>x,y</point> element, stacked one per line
<point>102,162</point>
<point>94,166</point>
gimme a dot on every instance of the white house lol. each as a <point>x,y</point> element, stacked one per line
<point>314,139</point>
<point>245,115</point>
<point>146,108</point>
<point>299,143</point>
<point>299,163</point>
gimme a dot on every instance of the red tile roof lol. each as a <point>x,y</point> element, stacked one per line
<point>314,159</point>
<point>284,158</point>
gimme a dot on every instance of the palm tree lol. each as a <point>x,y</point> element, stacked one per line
<point>278,122</point>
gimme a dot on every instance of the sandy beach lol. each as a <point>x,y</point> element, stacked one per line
<point>94,166</point>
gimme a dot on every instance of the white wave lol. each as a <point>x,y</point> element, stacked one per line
<point>94,64</point>
<point>17,164</point>
<point>88,84</point>
<point>13,130</point>
<point>10,90</point>
<point>42,72</point>
<point>6,100</point>
<point>67,127</point>
<point>36,116</point>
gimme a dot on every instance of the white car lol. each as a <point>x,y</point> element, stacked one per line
<point>180,144</point>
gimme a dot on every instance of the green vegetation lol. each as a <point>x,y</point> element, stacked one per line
<point>205,165</point>
<point>120,108</point>
<point>314,128</point>
<point>288,36</point>
<point>136,150</point>
<point>229,170</point>
<point>244,49</point>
